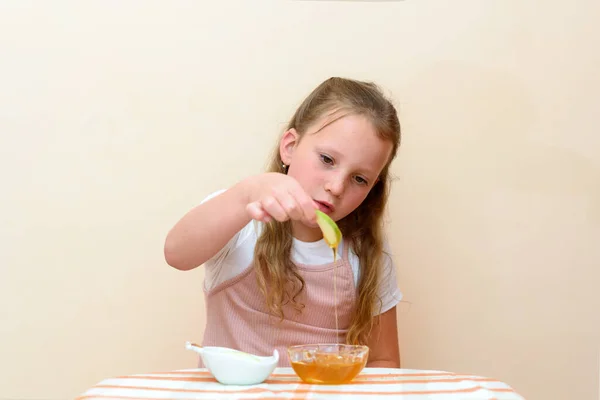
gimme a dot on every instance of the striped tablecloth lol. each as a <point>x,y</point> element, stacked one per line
<point>379,383</point>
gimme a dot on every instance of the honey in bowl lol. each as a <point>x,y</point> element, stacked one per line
<point>331,364</point>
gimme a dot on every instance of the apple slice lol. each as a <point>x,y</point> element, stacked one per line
<point>331,232</point>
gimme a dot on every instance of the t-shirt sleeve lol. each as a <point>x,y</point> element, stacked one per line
<point>226,262</point>
<point>389,292</point>
<point>213,195</point>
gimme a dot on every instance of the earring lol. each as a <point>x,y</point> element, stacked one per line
<point>284,167</point>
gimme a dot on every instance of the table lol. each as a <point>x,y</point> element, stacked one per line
<point>379,383</point>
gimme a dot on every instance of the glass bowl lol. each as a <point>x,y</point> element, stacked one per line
<point>330,364</point>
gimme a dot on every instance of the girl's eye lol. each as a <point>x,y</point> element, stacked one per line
<point>360,180</point>
<point>326,159</point>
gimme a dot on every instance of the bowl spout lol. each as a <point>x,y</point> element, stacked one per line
<point>194,347</point>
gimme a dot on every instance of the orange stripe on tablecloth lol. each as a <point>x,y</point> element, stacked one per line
<point>298,381</point>
<point>106,396</point>
<point>367,376</point>
<point>299,390</point>
<point>291,375</point>
<point>183,372</point>
<point>170,378</point>
<point>199,379</point>
<point>302,393</point>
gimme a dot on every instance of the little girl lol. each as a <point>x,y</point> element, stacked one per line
<point>269,273</point>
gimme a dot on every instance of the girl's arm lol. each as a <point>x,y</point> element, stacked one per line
<point>206,228</point>
<point>384,351</point>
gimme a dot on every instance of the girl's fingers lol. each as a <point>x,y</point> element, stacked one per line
<point>272,207</point>
<point>256,212</point>
<point>305,204</point>
<point>291,206</point>
<point>285,202</point>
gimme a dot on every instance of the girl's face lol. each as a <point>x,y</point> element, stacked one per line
<point>337,166</point>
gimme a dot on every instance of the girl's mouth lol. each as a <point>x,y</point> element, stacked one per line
<point>325,207</point>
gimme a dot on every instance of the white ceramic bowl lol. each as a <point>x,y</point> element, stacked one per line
<point>233,367</point>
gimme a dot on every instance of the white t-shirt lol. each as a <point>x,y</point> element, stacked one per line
<point>238,253</point>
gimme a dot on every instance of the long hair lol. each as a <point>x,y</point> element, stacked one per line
<point>277,276</point>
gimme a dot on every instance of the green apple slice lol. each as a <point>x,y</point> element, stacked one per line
<point>331,232</point>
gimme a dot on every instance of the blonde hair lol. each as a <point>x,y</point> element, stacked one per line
<point>277,276</point>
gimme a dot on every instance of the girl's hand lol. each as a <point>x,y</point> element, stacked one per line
<point>280,197</point>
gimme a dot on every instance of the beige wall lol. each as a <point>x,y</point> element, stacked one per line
<point>117,118</point>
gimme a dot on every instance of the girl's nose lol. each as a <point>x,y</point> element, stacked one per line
<point>335,185</point>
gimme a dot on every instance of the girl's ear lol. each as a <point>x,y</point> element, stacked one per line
<point>288,143</point>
